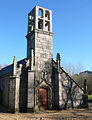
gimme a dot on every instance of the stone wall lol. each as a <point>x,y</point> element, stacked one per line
<point>41,43</point>
<point>55,88</point>
<point>12,88</point>
<point>66,92</point>
<point>30,44</point>
<point>43,50</point>
<point>4,87</point>
<point>30,99</point>
<point>70,93</point>
<point>23,90</point>
<point>43,64</point>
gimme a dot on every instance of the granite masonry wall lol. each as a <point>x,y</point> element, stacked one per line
<point>4,87</point>
<point>70,93</point>
<point>23,89</point>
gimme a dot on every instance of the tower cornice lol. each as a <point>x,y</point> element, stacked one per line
<point>39,31</point>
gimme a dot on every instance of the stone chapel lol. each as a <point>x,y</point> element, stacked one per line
<point>38,82</point>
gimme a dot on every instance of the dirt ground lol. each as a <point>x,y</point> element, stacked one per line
<point>75,114</point>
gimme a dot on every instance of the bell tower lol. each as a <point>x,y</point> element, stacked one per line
<point>39,36</point>
<point>40,53</point>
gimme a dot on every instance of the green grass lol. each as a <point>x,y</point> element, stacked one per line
<point>89,97</point>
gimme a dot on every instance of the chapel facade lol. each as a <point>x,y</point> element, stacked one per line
<point>38,82</point>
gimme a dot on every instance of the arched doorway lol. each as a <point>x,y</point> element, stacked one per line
<point>42,99</point>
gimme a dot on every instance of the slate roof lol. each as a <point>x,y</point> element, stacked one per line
<point>9,69</point>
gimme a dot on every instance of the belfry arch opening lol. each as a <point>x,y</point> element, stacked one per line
<point>40,13</point>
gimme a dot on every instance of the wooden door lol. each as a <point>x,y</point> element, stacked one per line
<point>42,99</point>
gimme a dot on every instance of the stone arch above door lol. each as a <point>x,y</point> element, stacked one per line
<point>48,88</point>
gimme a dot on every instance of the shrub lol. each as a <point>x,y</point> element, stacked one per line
<point>90,98</point>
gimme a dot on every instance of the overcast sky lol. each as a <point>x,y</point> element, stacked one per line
<point>72,26</point>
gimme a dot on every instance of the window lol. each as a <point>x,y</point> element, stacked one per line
<point>47,26</point>
<point>40,12</point>
<point>47,15</point>
<point>40,24</point>
<point>30,22</point>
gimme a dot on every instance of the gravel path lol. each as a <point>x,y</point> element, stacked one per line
<point>76,114</point>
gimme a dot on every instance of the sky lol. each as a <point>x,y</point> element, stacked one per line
<point>72,28</point>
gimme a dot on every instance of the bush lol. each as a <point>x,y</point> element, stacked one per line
<point>90,98</point>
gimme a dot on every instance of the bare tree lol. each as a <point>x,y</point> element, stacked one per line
<point>1,66</point>
<point>67,68</point>
<point>72,69</point>
<point>5,65</point>
<point>79,67</point>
